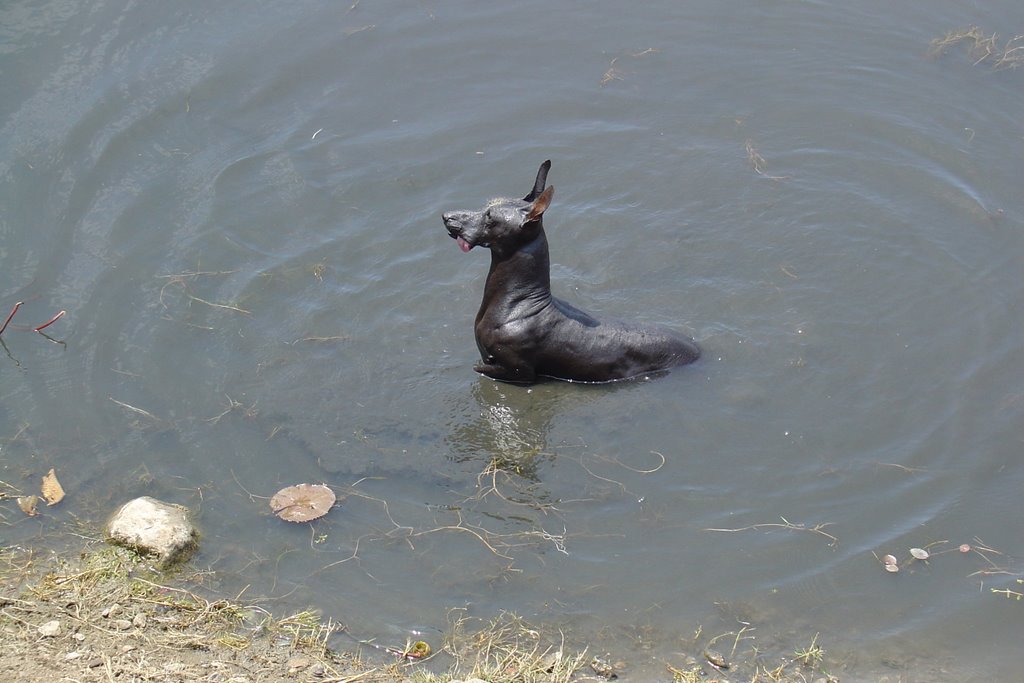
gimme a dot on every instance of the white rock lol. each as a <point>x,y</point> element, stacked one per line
<point>152,527</point>
<point>50,629</point>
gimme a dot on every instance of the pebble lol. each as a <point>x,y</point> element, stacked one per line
<point>122,624</point>
<point>139,620</point>
<point>716,659</point>
<point>298,663</point>
<point>50,629</point>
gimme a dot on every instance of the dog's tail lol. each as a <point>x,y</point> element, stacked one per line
<point>542,179</point>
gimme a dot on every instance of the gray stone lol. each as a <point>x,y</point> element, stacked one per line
<point>152,527</point>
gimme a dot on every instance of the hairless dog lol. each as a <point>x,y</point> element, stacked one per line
<point>523,332</point>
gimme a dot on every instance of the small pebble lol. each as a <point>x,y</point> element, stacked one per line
<point>139,620</point>
<point>50,629</point>
<point>716,659</point>
<point>298,663</point>
<point>122,624</point>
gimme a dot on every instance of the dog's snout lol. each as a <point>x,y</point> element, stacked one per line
<point>455,217</point>
<point>453,226</point>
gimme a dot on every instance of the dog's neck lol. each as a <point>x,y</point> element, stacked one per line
<point>520,279</point>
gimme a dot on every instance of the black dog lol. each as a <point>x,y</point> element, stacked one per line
<point>522,331</point>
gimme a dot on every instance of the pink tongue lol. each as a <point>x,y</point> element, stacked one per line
<point>463,245</point>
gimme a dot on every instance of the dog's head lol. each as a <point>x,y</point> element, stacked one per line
<point>502,224</point>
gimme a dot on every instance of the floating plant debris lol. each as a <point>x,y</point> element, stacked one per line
<point>302,502</point>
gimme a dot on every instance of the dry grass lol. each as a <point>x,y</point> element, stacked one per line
<point>120,621</point>
<point>613,73</point>
<point>982,48</point>
<point>506,650</point>
<point>114,620</point>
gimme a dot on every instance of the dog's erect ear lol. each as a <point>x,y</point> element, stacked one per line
<point>538,185</point>
<point>540,205</point>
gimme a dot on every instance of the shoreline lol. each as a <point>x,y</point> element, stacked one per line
<point>98,612</point>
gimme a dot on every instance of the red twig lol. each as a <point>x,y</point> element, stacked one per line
<point>49,322</point>
<point>13,311</point>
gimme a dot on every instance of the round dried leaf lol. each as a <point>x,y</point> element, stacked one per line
<point>892,568</point>
<point>302,502</point>
<point>890,561</point>
<point>919,553</point>
<point>965,548</point>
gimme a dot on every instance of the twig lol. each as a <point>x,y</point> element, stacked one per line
<point>348,679</point>
<point>610,481</point>
<point>758,163</point>
<point>634,469</point>
<point>225,306</point>
<point>833,541</point>
<point>908,470</point>
<point>13,311</point>
<point>49,322</point>
<point>322,339</point>
<point>196,273</point>
<point>132,408</point>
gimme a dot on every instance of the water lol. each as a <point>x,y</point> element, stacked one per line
<point>239,208</point>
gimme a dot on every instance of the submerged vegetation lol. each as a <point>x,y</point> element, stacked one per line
<point>982,48</point>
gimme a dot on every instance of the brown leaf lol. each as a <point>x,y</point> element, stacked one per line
<point>53,492</point>
<point>302,502</point>
<point>28,505</point>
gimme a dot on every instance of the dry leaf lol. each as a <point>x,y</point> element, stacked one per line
<point>52,490</point>
<point>302,502</point>
<point>889,560</point>
<point>919,553</point>
<point>28,505</point>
